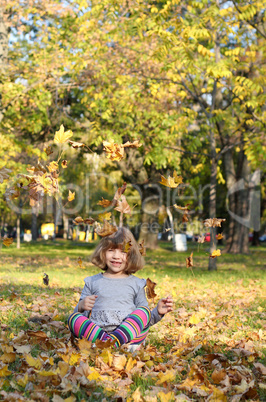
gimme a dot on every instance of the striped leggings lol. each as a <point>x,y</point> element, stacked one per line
<point>133,329</point>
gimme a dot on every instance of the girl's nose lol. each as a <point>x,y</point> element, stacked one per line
<point>117,253</point>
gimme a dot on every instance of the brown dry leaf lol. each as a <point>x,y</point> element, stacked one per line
<point>218,376</point>
<point>113,151</point>
<point>78,220</point>
<point>107,229</point>
<point>261,368</point>
<point>71,196</point>
<point>215,253</point>
<point>104,344</point>
<point>8,357</point>
<point>48,150</point>
<point>150,285</point>
<point>64,164</point>
<point>4,174</point>
<point>134,144</point>
<point>105,216</point>
<point>52,167</point>
<point>80,263</point>
<point>62,136</point>
<point>75,144</point>
<point>104,203</point>
<point>137,396</point>
<point>37,334</point>
<point>45,279</point>
<point>89,221</point>
<point>126,247</point>
<point>142,248</point>
<point>171,182</point>
<point>7,241</point>
<point>120,191</point>
<point>189,260</point>
<point>122,206</point>
<point>213,222</point>
<point>119,362</point>
<point>201,239</point>
<point>185,217</point>
<point>220,236</point>
<point>185,208</point>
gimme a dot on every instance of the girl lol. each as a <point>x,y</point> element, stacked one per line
<point>113,304</point>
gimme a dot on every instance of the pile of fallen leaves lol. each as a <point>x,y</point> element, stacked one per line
<point>206,350</point>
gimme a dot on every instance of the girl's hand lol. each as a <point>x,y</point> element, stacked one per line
<point>165,305</point>
<point>87,303</point>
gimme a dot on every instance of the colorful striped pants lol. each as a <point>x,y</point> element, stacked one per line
<point>133,329</point>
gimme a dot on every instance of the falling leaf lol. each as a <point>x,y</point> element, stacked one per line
<point>7,241</point>
<point>4,174</point>
<point>201,239</point>
<point>215,253</point>
<point>80,263</point>
<point>126,246</point>
<point>89,221</point>
<point>45,279</point>
<point>107,229</point>
<point>213,222</point>
<point>220,236</point>
<point>105,216</point>
<point>53,166</point>
<point>167,230</point>
<point>150,288</point>
<point>189,260</point>
<point>113,151</point>
<point>48,150</point>
<point>142,248</point>
<point>181,208</point>
<point>71,196</point>
<point>76,144</point>
<point>104,203</point>
<point>122,206</point>
<point>78,220</point>
<point>185,217</point>
<point>120,191</point>
<point>171,182</point>
<point>62,136</point>
<point>64,164</point>
<point>134,144</point>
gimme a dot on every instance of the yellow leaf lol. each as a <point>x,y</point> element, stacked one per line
<point>105,215</point>
<point>53,166</point>
<point>4,372</point>
<point>94,375</point>
<point>64,164</point>
<point>119,362</point>
<point>194,319</point>
<point>107,357</point>
<point>71,196</point>
<point>114,151</point>
<point>137,396</point>
<point>170,396</point>
<point>75,357</point>
<point>130,364</point>
<point>168,376</point>
<point>8,357</point>
<point>36,363</point>
<point>23,381</point>
<point>171,182</point>
<point>61,136</point>
<point>49,373</point>
<point>215,253</point>
<point>63,368</point>
<point>7,241</point>
<point>217,395</point>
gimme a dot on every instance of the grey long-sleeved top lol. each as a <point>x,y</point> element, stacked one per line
<point>117,298</point>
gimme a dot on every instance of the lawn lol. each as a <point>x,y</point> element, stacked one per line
<point>212,347</point>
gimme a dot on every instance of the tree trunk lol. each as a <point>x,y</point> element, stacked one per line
<point>65,222</point>
<point>212,208</point>
<point>34,230</point>
<point>3,51</point>
<point>238,204</point>
<point>149,222</point>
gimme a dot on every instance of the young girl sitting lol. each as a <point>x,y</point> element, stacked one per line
<point>113,304</point>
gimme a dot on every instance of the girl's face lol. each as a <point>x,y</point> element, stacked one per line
<point>116,261</point>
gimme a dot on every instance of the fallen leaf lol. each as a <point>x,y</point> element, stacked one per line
<point>150,288</point>
<point>33,362</point>
<point>218,376</point>
<point>119,362</point>
<point>166,377</point>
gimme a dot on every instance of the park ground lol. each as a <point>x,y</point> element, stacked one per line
<point>212,347</point>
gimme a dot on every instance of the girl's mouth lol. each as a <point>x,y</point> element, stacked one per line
<point>116,263</point>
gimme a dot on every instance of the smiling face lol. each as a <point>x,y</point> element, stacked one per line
<point>116,261</point>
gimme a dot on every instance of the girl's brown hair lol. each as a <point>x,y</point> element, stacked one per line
<point>135,261</point>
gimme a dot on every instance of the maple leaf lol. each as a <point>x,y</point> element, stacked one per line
<point>215,253</point>
<point>220,236</point>
<point>126,247</point>
<point>71,196</point>
<point>64,164</point>
<point>89,221</point>
<point>78,220</point>
<point>122,206</point>
<point>134,144</point>
<point>53,166</point>
<point>171,182</point>
<point>113,151</point>
<point>150,288</point>
<point>106,230</point>
<point>142,248</point>
<point>185,217</point>
<point>62,136</point>
<point>185,208</point>
<point>120,191</point>
<point>201,239</point>
<point>105,216</point>
<point>80,263</point>
<point>7,241</point>
<point>189,260</point>
<point>105,344</point>
<point>213,222</point>
<point>45,279</point>
<point>104,203</point>
<point>4,174</point>
<point>76,144</point>
<point>48,150</point>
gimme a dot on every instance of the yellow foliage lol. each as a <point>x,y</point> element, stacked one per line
<point>168,376</point>
<point>62,136</point>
